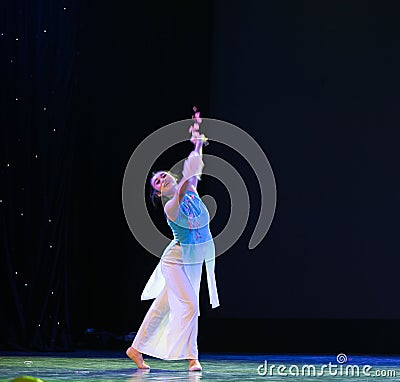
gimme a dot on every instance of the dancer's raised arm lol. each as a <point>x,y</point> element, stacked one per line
<point>191,173</point>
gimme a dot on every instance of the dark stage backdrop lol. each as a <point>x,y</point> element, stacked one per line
<point>317,85</point>
<point>38,64</point>
<point>314,83</point>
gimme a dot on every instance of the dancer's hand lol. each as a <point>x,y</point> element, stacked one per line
<point>197,137</point>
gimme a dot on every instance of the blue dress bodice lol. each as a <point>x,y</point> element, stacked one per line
<point>192,223</point>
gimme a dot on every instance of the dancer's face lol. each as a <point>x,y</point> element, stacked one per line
<point>164,183</point>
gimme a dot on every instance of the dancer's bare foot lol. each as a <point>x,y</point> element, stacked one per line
<point>194,365</point>
<point>136,357</point>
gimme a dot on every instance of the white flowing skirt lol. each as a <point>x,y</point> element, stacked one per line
<point>169,329</point>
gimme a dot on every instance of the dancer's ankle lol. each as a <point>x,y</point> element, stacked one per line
<point>136,356</point>
<point>194,365</point>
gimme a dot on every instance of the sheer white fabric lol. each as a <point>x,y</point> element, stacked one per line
<point>193,166</point>
<point>169,329</point>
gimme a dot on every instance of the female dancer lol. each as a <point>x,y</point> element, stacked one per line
<point>169,329</point>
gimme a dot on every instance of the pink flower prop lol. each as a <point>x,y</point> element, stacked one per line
<point>194,129</point>
<point>196,116</point>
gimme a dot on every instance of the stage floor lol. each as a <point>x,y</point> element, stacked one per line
<point>115,366</point>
